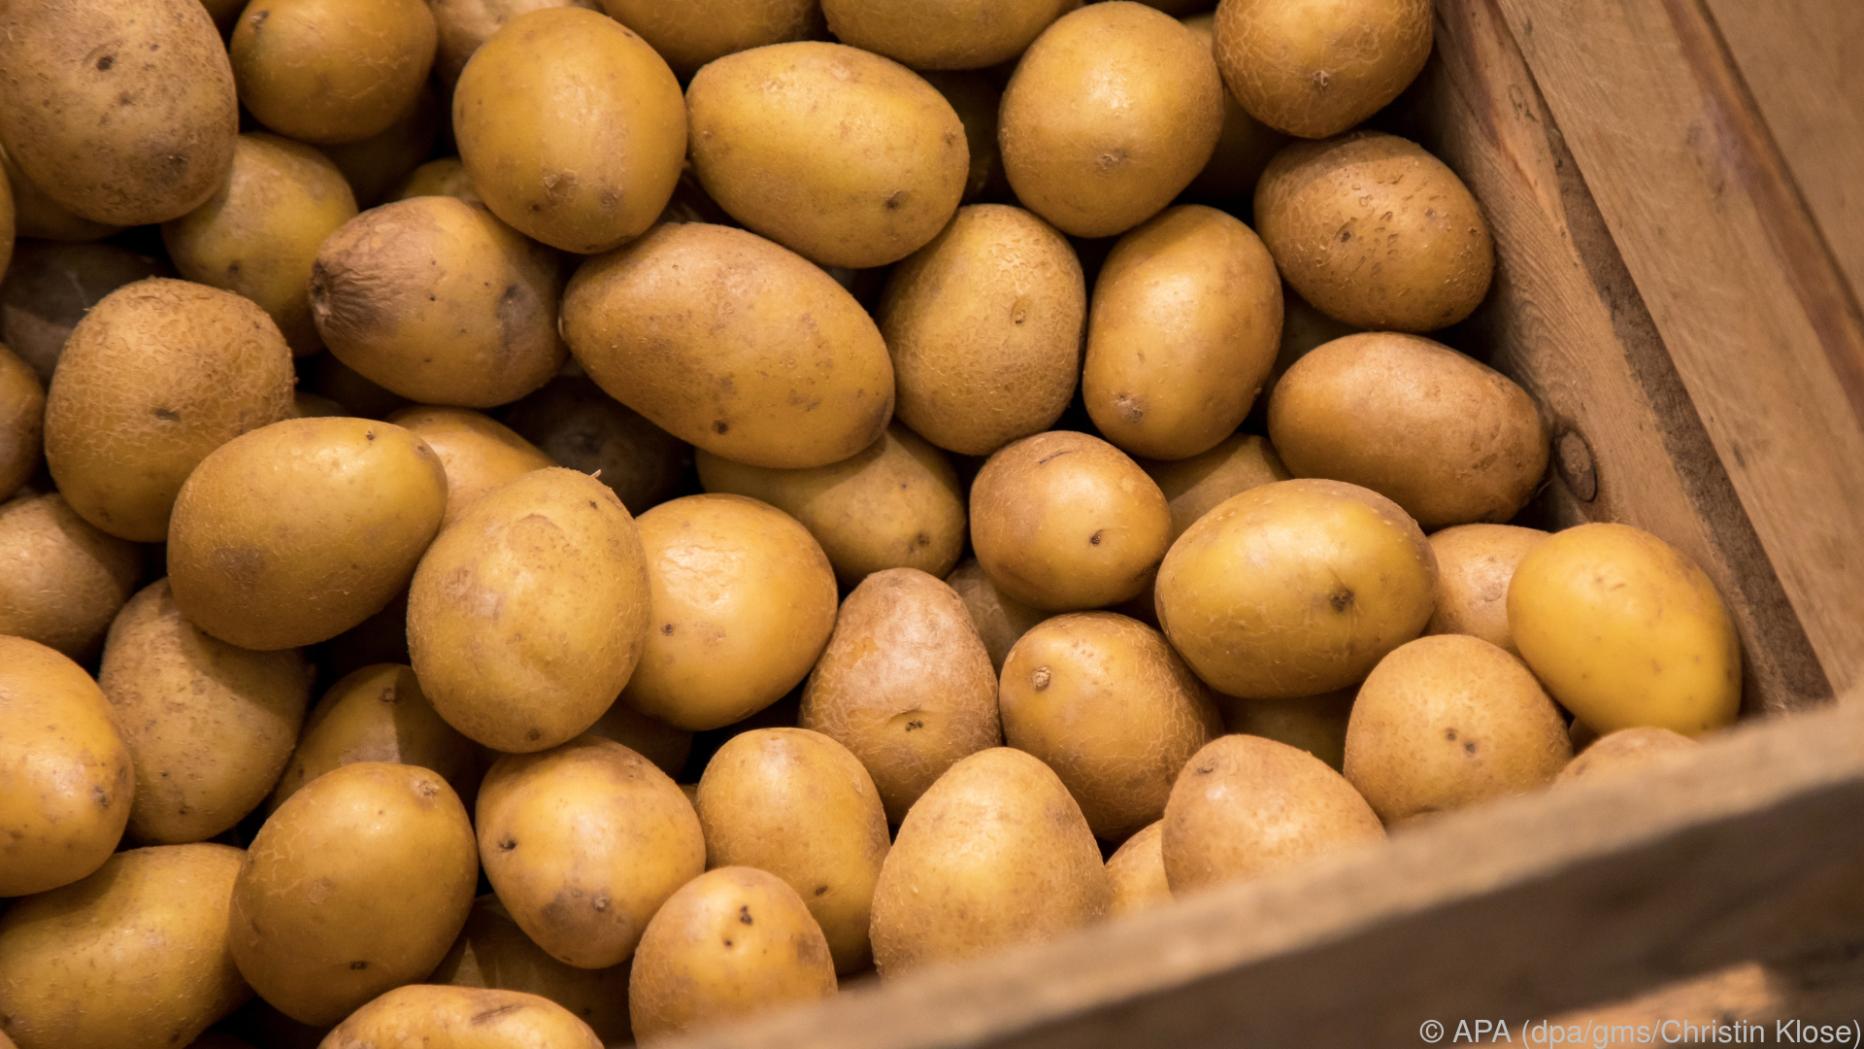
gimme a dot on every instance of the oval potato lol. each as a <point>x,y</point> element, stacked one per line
<point>1624,751</point>
<point>378,713</point>
<point>493,952</point>
<point>478,453</point>
<point>330,71</point>
<point>1136,871</point>
<point>61,581</point>
<point>1318,67</point>
<point>1196,485</point>
<point>1475,564</point>
<point>1316,724</point>
<point>999,618</point>
<point>423,1016</point>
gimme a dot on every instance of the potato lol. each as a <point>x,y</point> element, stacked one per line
<point>995,854</point>
<point>999,618</point>
<point>743,602</point>
<point>422,1016</point>
<point>1626,631</point>
<point>1064,520</point>
<point>389,851</point>
<point>1445,722</point>
<point>583,843</point>
<point>378,713</point>
<point>733,344</point>
<point>296,532</point>
<point>1474,566</point>
<point>1316,724</point>
<point>377,164</point>
<point>464,25</point>
<point>50,287</point>
<point>694,32</point>
<point>571,128</point>
<point>975,96</point>
<point>839,155</point>
<point>124,116</point>
<point>1185,325</point>
<point>1110,114</point>
<point>133,957</point>
<point>571,420</point>
<point>667,747</point>
<point>1375,232</point>
<point>799,805</point>
<point>1245,144</point>
<point>1315,68</point>
<point>1106,704</point>
<point>159,374</point>
<point>1297,808</point>
<point>22,424</point>
<point>492,952</point>
<point>326,376</point>
<point>1195,486</point>
<point>943,34</point>
<point>1447,438</point>
<point>209,727</point>
<point>1627,750</point>
<point>330,71</point>
<point>1136,871</point>
<point>61,581</point>
<point>478,453</point>
<point>65,778</point>
<point>905,684</point>
<point>1295,588</point>
<point>478,331</point>
<point>985,326</point>
<point>36,215</point>
<point>529,613</point>
<point>733,942</point>
<point>445,177</point>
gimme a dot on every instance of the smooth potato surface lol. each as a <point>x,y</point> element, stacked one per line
<point>1136,870</point>
<point>332,71</point>
<point>61,580</point>
<point>378,713</point>
<point>999,618</point>
<point>493,952</point>
<point>1475,564</point>
<point>478,453</point>
<point>423,1016</point>
<point>1196,485</point>
<point>1623,752</point>
<point>1316,724</point>
<point>1318,67</point>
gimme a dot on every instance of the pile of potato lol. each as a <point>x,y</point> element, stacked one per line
<point>542,523</point>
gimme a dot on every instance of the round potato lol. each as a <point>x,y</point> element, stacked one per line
<point>943,34</point>
<point>995,854</point>
<point>839,155</point>
<point>799,805</point>
<point>22,424</point>
<point>583,843</point>
<point>1475,564</point>
<point>50,287</point>
<point>1318,67</point>
<point>571,420</point>
<point>377,164</point>
<point>743,602</point>
<point>124,116</point>
<point>1110,114</point>
<point>159,374</point>
<point>667,747</point>
<point>1185,326</point>
<point>133,957</point>
<point>1245,145</point>
<point>1195,486</point>
<point>1625,631</point>
<point>571,128</point>
<point>209,726</point>
<point>1106,704</point>
<point>1375,232</point>
<point>493,952</point>
<point>378,713</point>
<point>1444,722</point>
<point>999,618</point>
<point>464,25</point>
<point>61,581</point>
<point>1136,870</point>
<point>298,531</point>
<point>1295,588</point>
<point>975,97</point>
<point>692,33</point>
<point>389,850</point>
<point>480,331</point>
<point>65,777</point>
<point>445,177</point>
<point>732,942</point>
<point>733,344</point>
<point>1297,809</point>
<point>422,1016</point>
<point>1064,520</point>
<point>1448,438</point>
<point>905,684</point>
<point>478,453</point>
<point>985,326</point>
<point>1316,724</point>
<point>328,71</point>
<point>528,615</point>
<point>1623,751</point>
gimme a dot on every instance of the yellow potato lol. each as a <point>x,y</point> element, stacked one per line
<point>943,34</point>
<point>1318,67</point>
<point>975,97</point>
<point>464,25</point>
<point>445,177</point>
<point>478,453</point>
<point>693,32</point>
<point>330,71</point>
<point>1195,486</point>
<point>50,287</point>
<point>1625,631</point>
<point>65,777</point>
<point>999,618</point>
<point>1316,724</point>
<point>22,423</point>
<point>667,747</point>
<point>422,1016</point>
<point>493,952</point>
<point>61,581</point>
<point>575,423</point>
<point>1627,750</point>
<point>1474,566</point>
<point>1136,870</point>
<point>378,713</point>
<point>1245,145</point>
<point>133,957</point>
<point>377,164</point>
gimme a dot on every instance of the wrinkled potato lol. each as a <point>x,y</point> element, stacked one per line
<point>61,581</point>
<point>1245,144</point>
<point>999,618</point>
<point>1195,486</point>
<point>377,164</point>
<point>583,843</point>
<point>464,25</point>
<point>1318,67</point>
<point>493,952</point>
<point>423,1016</point>
<point>50,287</point>
<point>22,423</point>
<point>378,713</point>
<point>692,33</point>
<point>209,726</point>
<point>975,96</point>
<point>1624,751</point>
<point>33,214</point>
<point>667,747</point>
<point>571,420</point>
<point>905,684</point>
<point>445,177</point>
<point>1475,564</point>
<point>943,34</point>
<point>1316,724</point>
<point>65,777</point>
<point>1136,870</point>
<point>158,375</point>
<point>330,71</point>
<point>477,452</point>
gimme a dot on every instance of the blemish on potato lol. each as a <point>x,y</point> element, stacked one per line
<point>1039,678</point>
<point>744,914</point>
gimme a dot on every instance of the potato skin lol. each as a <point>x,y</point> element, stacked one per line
<point>135,130</point>
<point>61,581</point>
<point>493,952</point>
<point>378,713</point>
<point>905,684</point>
<point>464,25</point>
<point>1245,144</point>
<point>1626,631</point>
<point>1195,486</point>
<point>1316,724</point>
<point>50,287</point>
<point>1321,206</point>
<point>667,747</point>
<point>1314,68</point>
<point>209,726</point>
<point>1110,114</point>
<point>1448,438</point>
<point>1336,577</point>
<point>984,325</point>
<point>995,854</point>
<point>298,531</point>
<point>842,156</point>
<point>142,944</point>
<point>1474,566</point>
<point>999,618</point>
<point>377,164</point>
<point>34,215</point>
<point>392,851</point>
<point>585,175</point>
<point>733,344</point>
<point>695,32</point>
<point>943,34</point>
<point>1136,871</point>
<point>424,1016</point>
<point>330,71</point>
<point>445,177</point>
<point>22,422</point>
<point>478,453</point>
<point>1624,751</point>
<point>1185,325</point>
<point>65,776</point>
<point>583,843</point>
<point>571,420</point>
<point>156,376</point>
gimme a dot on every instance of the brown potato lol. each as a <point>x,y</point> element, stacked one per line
<point>975,97</point>
<point>1316,724</point>
<point>465,25</point>
<point>667,747</point>
<point>1136,870</point>
<point>985,326</point>
<point>377,164</point>
<point>50,287</point>
<point>1475,564</point>
<point>429,1017</point>
<point>378,713</point>
<point>943,34</point>
<point>38,216</point>
<point>1245,145</point>
<point>999,618</point>
<point>905,684</point>
<point>445,177</point>
<point>494,953</point>
<point>61,581</point>
<point>1314,68</point>
<point>571,420</point>
<point>1195,486</point>
<point>1322,208</point>
<point>22,423</point>
<point>1627,750</point>
<point>1110,114</point>
<point>158,375</point>
<point>329,71</point>
<point>478,453</point>
<point>694,32</point>
<point>1185,325</point>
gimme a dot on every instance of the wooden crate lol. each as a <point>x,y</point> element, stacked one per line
<point>1674,190</point>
